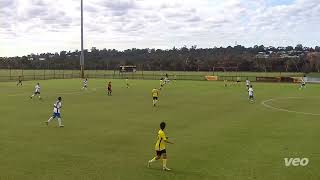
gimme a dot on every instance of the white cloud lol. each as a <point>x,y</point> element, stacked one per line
<point>35,26</point>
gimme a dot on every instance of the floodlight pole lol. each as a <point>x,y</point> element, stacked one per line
<point>82,53</point>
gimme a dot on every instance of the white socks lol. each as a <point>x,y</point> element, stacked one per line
<point>50,119</point>
<point>59,121</point>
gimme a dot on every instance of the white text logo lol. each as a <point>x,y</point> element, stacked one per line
<point>296,161</point>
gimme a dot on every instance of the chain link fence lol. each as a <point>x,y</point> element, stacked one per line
<point>59,72</point>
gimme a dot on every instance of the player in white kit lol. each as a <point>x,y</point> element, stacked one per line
<point>166,79</point>
<point>85,84</point>
<point>251,94</point>
<point>303,83</point>
<point>127,82</point>
<point>36,91</point>
<point>56,112</point>
<point>248,83</point>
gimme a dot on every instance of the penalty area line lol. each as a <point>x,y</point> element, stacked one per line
<point>264,103</point>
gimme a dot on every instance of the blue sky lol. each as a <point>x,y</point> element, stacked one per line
<point>279,2</point>
<point>37,26</point>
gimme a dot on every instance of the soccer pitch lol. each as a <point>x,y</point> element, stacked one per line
<point>218,133</point>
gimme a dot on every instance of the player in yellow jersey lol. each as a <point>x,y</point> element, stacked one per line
<point>155,95</point>
<point>160,148</point>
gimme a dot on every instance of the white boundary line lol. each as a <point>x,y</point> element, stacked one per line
<point>24,94</point>
<point>264,103</point>
<point>63,93</point>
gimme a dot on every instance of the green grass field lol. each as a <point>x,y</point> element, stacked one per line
<point>218,134</point>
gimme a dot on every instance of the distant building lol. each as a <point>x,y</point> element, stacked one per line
<point>128,68</point>
<point>289,56</point>
<point>262,55</point>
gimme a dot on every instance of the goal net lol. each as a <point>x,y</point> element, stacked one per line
<point>313,78</point>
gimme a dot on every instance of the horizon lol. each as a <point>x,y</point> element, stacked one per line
<point>38,26</point>
<point>190,47</point>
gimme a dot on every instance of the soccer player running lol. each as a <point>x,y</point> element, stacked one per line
<point>166,79</point>
<point>225,83</point>
<point>127,82</point>
<point>155,96</point>
<point>85,84</point>
<point>109,89</point>
<point>36,91</point>
<point>161,83</point>
<point>238,80</point>
<point>19,81</point>
<point>247,83</point>
<point>160,148</point>
<point>251,96</point>
<point>56,112</point>
<point>303,83</point>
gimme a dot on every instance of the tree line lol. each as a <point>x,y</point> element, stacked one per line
<point>237,58</point>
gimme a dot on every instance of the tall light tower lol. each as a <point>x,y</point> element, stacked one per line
<point>82,53</point>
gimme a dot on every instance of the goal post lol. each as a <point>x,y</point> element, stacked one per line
<point>229,73</point>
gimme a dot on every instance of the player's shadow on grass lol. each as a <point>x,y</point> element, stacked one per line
<point>179,172</point>
<point>161,108</point>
